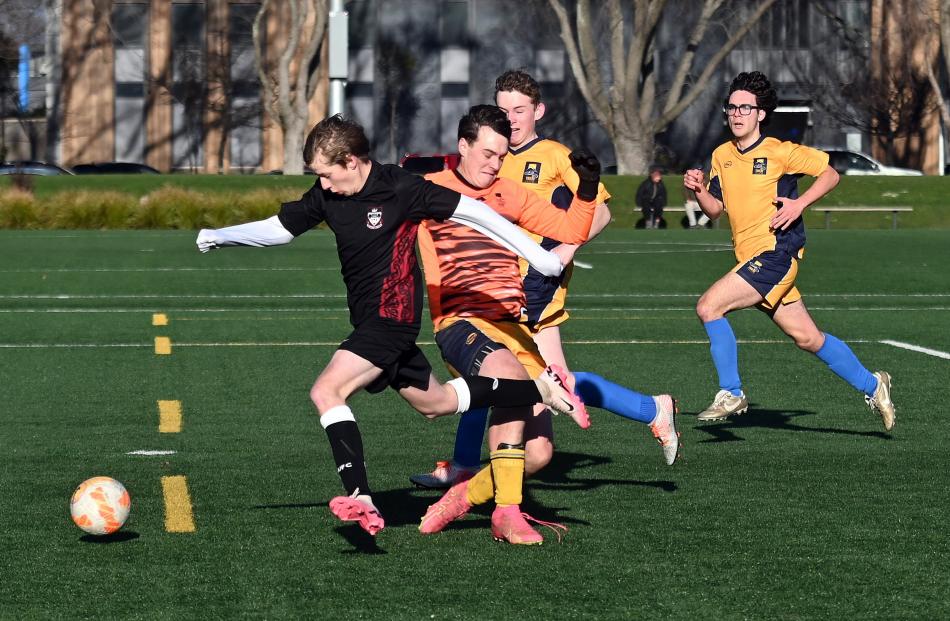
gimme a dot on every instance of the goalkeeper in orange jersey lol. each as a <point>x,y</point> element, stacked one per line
<point>542,166</point>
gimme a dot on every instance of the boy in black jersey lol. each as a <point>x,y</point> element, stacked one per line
<point>374,211</point>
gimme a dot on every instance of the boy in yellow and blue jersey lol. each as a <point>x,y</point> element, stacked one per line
<point>754,179</point>
<point>543,167</point>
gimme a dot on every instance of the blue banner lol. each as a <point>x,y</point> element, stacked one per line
<point>24,75</point>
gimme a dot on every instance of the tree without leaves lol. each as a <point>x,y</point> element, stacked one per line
<point>621,87</point>
<point>288,87</point>
<point>883,89</point>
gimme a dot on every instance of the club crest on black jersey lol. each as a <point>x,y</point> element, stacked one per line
<point>374,218</point>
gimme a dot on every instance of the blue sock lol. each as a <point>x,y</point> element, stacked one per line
<point>468,438</point>
<point>601,393</point>
<point>725,354</point>
<point>846,365</point>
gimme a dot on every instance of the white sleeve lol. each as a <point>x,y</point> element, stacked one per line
<point>269,232</point>
<point>485,220</point>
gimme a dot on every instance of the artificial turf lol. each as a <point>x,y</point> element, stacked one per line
<point>802,508</point>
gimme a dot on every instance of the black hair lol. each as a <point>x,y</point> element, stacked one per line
<point>758,84</point>
<point>492,117</point>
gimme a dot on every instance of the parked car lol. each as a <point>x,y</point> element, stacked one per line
<point>277,171</point>
<point>29,167</point>
<point>114,168</point>
<point>854,163</point>
<point>425,164</point>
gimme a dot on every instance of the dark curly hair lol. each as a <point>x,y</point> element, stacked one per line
<point>519,81</point>
<point>758,84</point>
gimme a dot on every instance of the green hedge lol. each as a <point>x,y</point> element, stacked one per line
<point>168,207</point>
<point>195,201</point>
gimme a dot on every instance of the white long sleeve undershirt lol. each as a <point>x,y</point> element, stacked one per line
<point>469,212</point>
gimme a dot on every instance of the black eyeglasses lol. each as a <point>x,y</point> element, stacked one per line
<point>744,109</point>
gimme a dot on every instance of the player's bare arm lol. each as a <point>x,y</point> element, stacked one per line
<point>792,208</point>
<point>695,180</point>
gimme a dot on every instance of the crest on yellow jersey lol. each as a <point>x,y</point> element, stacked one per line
<point>532,172</point>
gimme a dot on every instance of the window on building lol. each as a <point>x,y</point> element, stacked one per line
<point>129,36</point>
<point>454,23</point>
<point>454,70</point>
<point>786,26</point>
<point>245,101</point>
<point>188,85</point>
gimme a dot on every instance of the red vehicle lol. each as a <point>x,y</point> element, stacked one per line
<point>425,164</point>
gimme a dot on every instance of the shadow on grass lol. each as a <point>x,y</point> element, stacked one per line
<point>405,506</point>
<point>725,431</point>
<point>362,541</point>
<point>557,474</point>
<point>119,537</point>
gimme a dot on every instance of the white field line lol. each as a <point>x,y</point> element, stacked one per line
<point>149,453</point>
<point>335,343</point>
<point>169,310</point>
<point>168,296</point>
<point>572,309</point>
<point>109,270</point>
<point>322,296</point>
<point>599,242</point>
<point>587,253</point>
<point>918,349</point>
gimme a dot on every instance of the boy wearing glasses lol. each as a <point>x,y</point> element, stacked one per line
<point>754,178</point>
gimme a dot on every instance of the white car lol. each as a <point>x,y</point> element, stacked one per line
<point>854,163</point>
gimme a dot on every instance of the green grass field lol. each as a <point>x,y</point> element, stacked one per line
<point>802,508</point>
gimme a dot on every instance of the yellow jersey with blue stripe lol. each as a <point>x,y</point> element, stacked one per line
<point>543,167</point>
<point>747,181</point>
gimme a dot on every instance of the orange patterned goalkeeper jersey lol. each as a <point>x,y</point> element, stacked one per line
<point>471,275</point>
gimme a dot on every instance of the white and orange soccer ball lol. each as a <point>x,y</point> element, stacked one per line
<point>100,505</point>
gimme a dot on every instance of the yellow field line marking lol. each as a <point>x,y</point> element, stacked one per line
<point>178,515</point>
<point>163,345</point>
<point>169,416</point>
<point>159,319</point>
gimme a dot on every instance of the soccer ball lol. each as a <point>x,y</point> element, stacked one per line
<point>100,505</point>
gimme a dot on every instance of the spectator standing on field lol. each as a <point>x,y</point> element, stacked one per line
<point>651,198</point>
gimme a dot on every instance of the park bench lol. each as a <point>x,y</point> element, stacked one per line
<point>861,209</point>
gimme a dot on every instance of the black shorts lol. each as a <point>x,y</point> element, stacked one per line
<point>393,349</point>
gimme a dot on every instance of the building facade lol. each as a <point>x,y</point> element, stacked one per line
<point>174,83</point>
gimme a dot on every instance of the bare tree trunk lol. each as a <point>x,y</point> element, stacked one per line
<point>618,80</point>
<point>289,84</point>
<point>634,151</point>
<point>293,145</point>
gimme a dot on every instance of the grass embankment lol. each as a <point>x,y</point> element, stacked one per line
<point>193,201</point>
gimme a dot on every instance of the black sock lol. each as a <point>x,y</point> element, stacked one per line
<point>488,391</point>
<point>347,447</point>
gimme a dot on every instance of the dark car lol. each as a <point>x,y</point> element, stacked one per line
<point>29,167</point>
<point>114,168</point>
<point>306,171</point>
<point>425,164</point>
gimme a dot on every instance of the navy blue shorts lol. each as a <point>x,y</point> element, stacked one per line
<point>464,347</point>
<point>772,274</point>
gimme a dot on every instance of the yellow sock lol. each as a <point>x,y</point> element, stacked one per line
<point>481,489</point>
<point>507,468</point>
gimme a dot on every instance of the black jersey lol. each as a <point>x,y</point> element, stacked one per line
<point>375,238</point>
